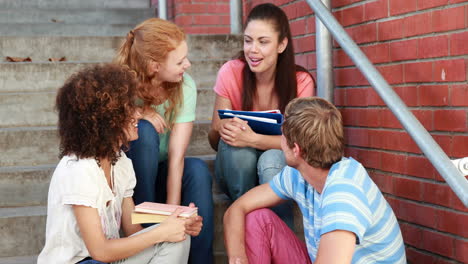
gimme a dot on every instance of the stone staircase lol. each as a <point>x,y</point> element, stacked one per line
<point>86,32</point>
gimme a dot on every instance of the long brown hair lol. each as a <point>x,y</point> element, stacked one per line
<point>151,41</point>
<point>286,68</point>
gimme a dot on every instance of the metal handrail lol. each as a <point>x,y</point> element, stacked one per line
<point>323,42</point>
<point>423,139</point>
<point>162,9</point>
<point>235,11</point>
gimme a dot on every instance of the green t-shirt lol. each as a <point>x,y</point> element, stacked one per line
<point>185,114</point>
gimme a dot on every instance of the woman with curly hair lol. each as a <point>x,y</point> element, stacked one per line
<point>90,194</point>
<point>156,50</point>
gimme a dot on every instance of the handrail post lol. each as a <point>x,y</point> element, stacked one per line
<point>235,7</point>
<point>418,133</point>
<point>324,54</point>
<point>162,9</point>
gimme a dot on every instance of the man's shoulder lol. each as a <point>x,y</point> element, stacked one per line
<point>347,168</point>
<point>290,172</point>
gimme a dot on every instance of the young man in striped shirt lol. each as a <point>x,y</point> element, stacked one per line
<point>346,218</point>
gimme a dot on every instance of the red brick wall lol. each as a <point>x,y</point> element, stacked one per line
<point>200,16</point>
<point>421,48</point>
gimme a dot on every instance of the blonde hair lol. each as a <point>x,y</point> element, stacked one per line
<point>315,125</point>
<point>151,41</point>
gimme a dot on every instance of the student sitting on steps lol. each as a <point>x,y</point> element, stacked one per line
<point>346,218</point>
<point>90,194</point>
<point>156,50</point>
<point>264,77</point>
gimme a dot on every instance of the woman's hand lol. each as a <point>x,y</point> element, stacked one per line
<point>193,225</point>
<point>173,227</point>
<point>237,133</point>
<point>154,118</point>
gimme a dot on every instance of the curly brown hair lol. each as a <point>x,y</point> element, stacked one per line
<point>95,106</point>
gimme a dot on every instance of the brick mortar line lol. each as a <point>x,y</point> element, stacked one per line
<point>419,179</point>
<point>407,84</point>
<point>430,205</point>
<point>427,108</point>
<point>446,6</point>
<point>432,133</point>
<point>384,19</point>
<point>357,4</point>
<point>388,151</point>
<point>385,41</point>
<point>431,253</point>
<point>419,60</point>
<point>426,35</point>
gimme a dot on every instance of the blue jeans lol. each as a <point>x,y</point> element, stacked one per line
<point>240,169</point>
<point>151,177</point>
<point>89,260</point>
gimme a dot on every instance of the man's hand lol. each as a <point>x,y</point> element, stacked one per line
<point>238,260</point>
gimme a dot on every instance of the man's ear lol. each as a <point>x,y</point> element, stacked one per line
<point>297,151</point>
<point>282,45</point>
<point>154,66</point>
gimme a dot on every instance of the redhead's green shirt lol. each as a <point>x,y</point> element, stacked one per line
<point>186,113</point>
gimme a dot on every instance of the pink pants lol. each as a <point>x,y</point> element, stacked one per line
<point>269,240</point>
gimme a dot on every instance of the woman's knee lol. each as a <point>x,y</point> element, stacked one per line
<point>235,154</point>
<point>147,134</point>
<point>198,170</point>
<point>270,163</point>
<point>176,251</point>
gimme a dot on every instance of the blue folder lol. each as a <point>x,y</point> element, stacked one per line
<point>257,126</point>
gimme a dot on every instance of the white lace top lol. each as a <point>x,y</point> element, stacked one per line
<point>82,182</point>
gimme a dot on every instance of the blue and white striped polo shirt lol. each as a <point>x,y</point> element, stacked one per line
<point>350,201</point>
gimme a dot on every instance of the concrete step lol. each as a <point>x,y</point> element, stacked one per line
<point>75,4</point>
<point>33,146</point>
<point>22,229</point>
<point>99,48</point>
<point>25,186</point>
<point>37,108</point>
<point>214,47</point>
<point>204,72</point>
<point>41,48</point>
<point>94,17</point>
<point>36,77</point>
<point>19,260</point>
<point>61,29</point>
<point>28,186</point>
<point>16,77</point>
<point>219,258</point>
